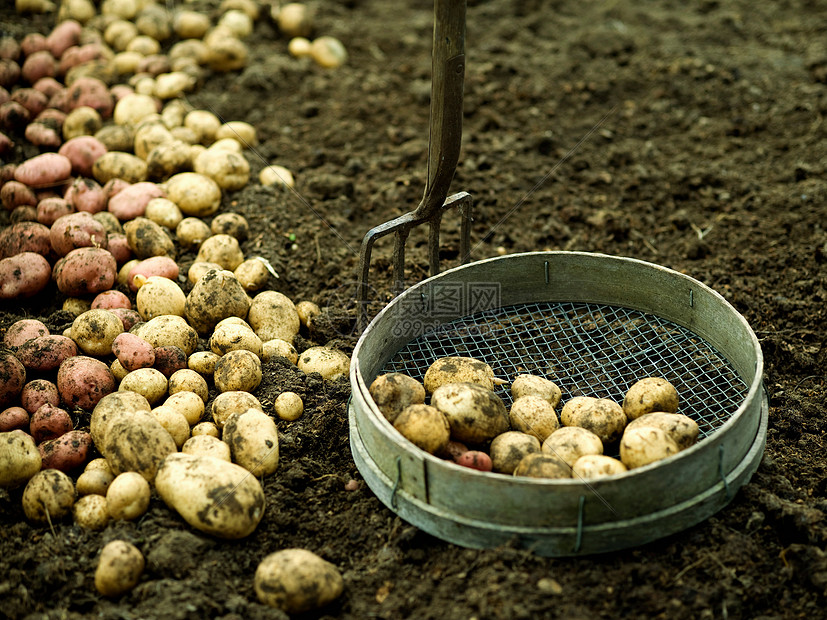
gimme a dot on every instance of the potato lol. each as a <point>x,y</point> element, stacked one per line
<point>109,408</point>
<point>648,395</point>
<point>207,445</point>
<point>216,296</point>
<point>591,466</point>
<point>330,363</point>
<point>169,360</point>
<point>424,426</point>
<point>162,266</point>
<point>187,380</point>
<point>169,330</point>
<point>191,232</point>
<point>174,422</point>
<point>509,448</point>
<point>294,19</point>
<point>541,465</point>
<point>195,194</point>
<point>95,331</point>
<point>328,52</point>
<point>475,459</point>
<point>252,274</point>
<point>395,391</point>
<point>297,580</point>
<point>24,275</point>
<point>45,170</point>
<point>276,175</point>
<point>90,512</point>
<point>253,440</point>
<point>198,488</point>
<point>137,443</point>
<point>75,307</point>
<point>288,406</point>
<point>25,237</point>
<point>238,371</point>
<point>148,382</point>
<point>94,481</point>
<point>76,230</point>
<point>228,403</point>
<point>117,138</point>
<point>533,415</point>
<point>605,418</point>
<point>48,496</point>
<point>67,452</point>
<point>49,210</point>
<point>82,121</point>
<point>49,421</point>
<point>168,159</point>
<point>19,459</point>
<point>241,132</point>
<point>273,315</point>
<point>83,381</point>
<point>83,151</point>
<point>199,268</point>
<point>229,337</point>
<point>13,418</point>
<point>644,445</point>
<point>458,370</point>
<point>277,347</point>
<point>118,165</point>
<point>23,330</point>
<point>569,443</point>
<point>228,169</point>
<point>87,195</point>
<point>127,497</point>
<point>85,271</point>
<point>221,249</point>
<point>190,24</point>
<point>132,201</point>
<point>299,47</point>
<point>210,429</point>
<point>534,385</point>
<point>147,239</point>
<point>681,428</point>
<point>226,53</point>
<point>15,194</point>
<point>129,318</point>
<point>37,393</point>
<point>119,568</point>
<point>204,123</point>
<point>476,415</point>
<point>163,212</point>
<point>158,296</point>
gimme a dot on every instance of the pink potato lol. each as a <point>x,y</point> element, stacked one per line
<point>92,92</point>
<point>82,381</point>
<point>45,170</point>
<point>131,202</point>
<point>454,449</point>
<point>43,135</point>
<point>14,194</point>
<point>133,352</point>
<point>9,48</point>
<point>115,186</point>
<point>49,421</point>
<point>154,266</point>
<point>63,36</point>
<point>4,95</point>
<point>33,42</point>
<point>12,378</point>
<point>25,213</point>
<point>52,117</point>
<point>119,247</point>
<point>13,115</point>
<point>46,353</point>
<point>108,300</point>
<point>39,65</point>
<point>474,459</point>
<point>25,237</point>
<point>129,318</point>
<point>23,275</point>
<point>119,91</point>
<point>7,173</point>
<point>13,418</point>
<point>67,452</point>
<point>9,72</point>
<point>6,144</point>
<point>83,152</point>
<point>31,99</point>
<point>86,195</point>
<point>169,359</point>
<point>24,330</point>
<point>50,209</point>
<point>48,86</point>
<point>85,271</point>
<point>80,54</point>
<point>37,393</point>
<point>77,230</point>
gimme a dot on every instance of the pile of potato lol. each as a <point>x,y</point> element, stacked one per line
<point>466,422</point>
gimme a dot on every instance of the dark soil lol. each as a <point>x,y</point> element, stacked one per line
<point>688,134</point>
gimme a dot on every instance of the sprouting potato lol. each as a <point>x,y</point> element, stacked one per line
<point>644,445</point>
<point>424,426</point>
<point>476,415</point>
<point>533,415</point>
<point>569,443</point>
<point>681,428</point>
<point>592,466</point>
<point>542,465</point>
<point>534,385</point>
<point>458,370</point>
<point>648,395</point>
<point>395,391</point>
<point>604,417</point>
<point>508,450</point>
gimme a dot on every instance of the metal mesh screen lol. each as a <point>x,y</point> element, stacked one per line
<point>587,350</point>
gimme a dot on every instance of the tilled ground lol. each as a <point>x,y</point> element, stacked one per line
<point>703,149</point>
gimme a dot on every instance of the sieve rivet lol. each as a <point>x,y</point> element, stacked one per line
<point>691,298</point>
<point>579,538</point>
<point>546,270</point>
<point>397,481</point>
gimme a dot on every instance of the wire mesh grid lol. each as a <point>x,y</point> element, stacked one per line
<point>587,350</point>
